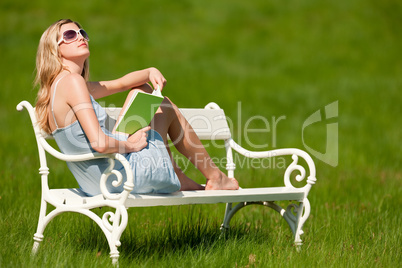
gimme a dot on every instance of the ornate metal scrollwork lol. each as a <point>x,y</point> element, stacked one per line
<point>116,182</point>
<point>291,168</point>
<point>107,219</point>
<point>291,212</point>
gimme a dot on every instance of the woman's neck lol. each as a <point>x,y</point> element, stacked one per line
<point>73,66</point>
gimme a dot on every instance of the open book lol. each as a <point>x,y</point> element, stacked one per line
<point>139,112</point>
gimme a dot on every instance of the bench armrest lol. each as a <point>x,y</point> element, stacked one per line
<point>128,185</point>
<point>44,147</point>
<point>295,153</point>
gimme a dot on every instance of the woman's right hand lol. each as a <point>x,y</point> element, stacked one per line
<point>138,141</point>
<point>156,78</point>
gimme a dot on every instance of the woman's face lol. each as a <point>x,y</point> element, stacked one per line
<point>76,50</point>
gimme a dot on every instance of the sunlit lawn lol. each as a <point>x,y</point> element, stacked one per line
<point>256,59</point>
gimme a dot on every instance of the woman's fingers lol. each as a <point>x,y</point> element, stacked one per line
<point>139,139</point>
<point>157,78</point>
<point>147,128</point>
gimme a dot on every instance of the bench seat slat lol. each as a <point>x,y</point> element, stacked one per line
<point>218,196</point>
<point>76,197</point>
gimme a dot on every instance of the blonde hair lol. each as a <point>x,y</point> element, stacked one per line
<point>48,67</point>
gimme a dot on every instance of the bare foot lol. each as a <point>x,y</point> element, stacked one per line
<point>187,184</point>
<point>222,183</point>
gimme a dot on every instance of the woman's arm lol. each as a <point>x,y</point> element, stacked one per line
<point>105,88</point>
<point>80,102</point>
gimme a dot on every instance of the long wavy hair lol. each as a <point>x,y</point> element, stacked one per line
<point>48,67</point>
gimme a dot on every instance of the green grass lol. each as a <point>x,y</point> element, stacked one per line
<point>254,58</point>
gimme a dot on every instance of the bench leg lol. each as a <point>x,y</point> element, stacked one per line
<point>115,259</point>
<point>38,236</point>
<point>229,213</point>
<point>303,212</point>
<point>112,224</point>
<point>226,219</point>
<point>295,215</point>
<point>42,223</point>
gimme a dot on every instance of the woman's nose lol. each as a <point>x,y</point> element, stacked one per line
<point>80,37</point>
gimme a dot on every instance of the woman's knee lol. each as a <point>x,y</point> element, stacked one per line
<point>145,87</point>
<point>168,106</point>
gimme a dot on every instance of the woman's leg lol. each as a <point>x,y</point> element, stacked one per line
<point>169,121</point>
<point>186,182</point>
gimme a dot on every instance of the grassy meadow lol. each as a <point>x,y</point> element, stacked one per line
<point>277,62</point>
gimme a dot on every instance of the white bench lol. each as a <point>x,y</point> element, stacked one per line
<point>209,124</point>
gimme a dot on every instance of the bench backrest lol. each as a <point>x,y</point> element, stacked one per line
<point>209,123</point>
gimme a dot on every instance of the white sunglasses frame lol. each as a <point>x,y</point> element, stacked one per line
<point>78,32</point>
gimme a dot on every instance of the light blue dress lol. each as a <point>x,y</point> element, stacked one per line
<point>152,167</point>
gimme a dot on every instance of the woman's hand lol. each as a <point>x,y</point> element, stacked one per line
<point>156,78</point>
<point>138,140</point>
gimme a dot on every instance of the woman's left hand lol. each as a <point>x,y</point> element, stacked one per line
<point>156,78</point>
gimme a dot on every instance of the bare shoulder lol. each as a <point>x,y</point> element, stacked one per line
<point>74,88</point>
<point>73,81</point>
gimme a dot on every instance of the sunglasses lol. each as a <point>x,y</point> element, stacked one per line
<point>70,36</point>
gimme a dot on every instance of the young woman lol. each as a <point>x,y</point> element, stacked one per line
<point>67,109</point>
